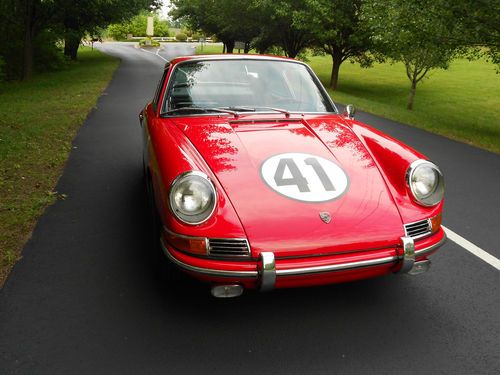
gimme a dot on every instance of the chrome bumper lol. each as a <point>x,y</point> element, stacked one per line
<point>267,272</point>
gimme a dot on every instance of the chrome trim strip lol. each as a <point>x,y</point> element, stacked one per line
<point>267,271</point>
<point>299,271</point>
<point>207,271</point>
<point>336,267</point>
<point>419,253</point>
<point>243,115</point>
<point>238,57</point>
<point>422,236</point>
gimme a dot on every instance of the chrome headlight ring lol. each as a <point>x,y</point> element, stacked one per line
<point>426,182</point>
<point>192,197</point>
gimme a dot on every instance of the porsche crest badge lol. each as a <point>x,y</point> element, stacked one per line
<point>325,216</point>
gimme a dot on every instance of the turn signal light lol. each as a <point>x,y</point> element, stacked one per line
<point>194,245</point>
<point>436,223</point>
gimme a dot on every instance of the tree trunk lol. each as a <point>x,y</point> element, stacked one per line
<point>28,56</point>
<point>289,48</point>
<point>223,47</point>
<point>411,95</point>
<point>71,44</point>
<point>28,42</point>
<point>229,46</point>
<point>334,79</point>
<point>247,47</point>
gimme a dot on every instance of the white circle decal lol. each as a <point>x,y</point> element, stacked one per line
<point>304,177</point>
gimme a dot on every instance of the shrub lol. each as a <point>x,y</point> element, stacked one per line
<point>181,37</point>
<point>118,31</point>
<point>48,54</point>
<point>154,43</point>
<point>137,27</point>
<point>186,31</point>
<point>162,28</point>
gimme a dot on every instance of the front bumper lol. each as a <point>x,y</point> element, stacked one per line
<point>269,272</point>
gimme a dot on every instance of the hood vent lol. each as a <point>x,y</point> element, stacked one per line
<point>418,229</point>
<point>228,247</point>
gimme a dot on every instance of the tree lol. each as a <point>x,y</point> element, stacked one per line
<point>228,20</point>
<point>2,73</point>
<point>411,31</point>
<point>475,26</point>
<point>340,32</point>
<point>262,23</point>
<point>196,14</point>
<point>86,16</point>
<point>31,28</point>
<point>283,23</point>
<point>22,20</point>
<point>32,8</point>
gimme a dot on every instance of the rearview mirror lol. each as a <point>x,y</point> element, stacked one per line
<point>251,74</point>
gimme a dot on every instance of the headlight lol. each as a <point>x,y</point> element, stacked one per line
<point>426,182</point>
<point>192,197</point>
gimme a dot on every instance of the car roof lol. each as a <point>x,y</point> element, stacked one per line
<point>238,56</point>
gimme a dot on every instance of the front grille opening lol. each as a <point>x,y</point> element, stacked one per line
<point>228,247</point>
<point>418,229</point>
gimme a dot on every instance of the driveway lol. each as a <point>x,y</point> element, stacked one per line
<point>84,299</point>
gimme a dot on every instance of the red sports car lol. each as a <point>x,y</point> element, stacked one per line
<point>256,181</point>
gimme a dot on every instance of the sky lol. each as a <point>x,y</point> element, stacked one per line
<point>165,8</point>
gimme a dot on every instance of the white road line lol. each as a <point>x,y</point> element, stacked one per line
<point>473,249</point>
<point>156,54</point>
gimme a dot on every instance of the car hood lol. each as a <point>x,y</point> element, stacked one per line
<point>356,211</point>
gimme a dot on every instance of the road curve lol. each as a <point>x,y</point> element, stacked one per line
<point>84,299</point>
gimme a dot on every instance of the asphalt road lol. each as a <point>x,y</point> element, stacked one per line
<point>84,299</point>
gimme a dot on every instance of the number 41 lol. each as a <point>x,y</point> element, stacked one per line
<point>297,178</point>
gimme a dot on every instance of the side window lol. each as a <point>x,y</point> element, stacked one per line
<point>156,98</point>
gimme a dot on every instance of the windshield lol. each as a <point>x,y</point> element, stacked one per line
<point>244,85</point>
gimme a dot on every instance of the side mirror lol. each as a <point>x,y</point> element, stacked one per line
<point>141,118</point>
<point>349,111</point>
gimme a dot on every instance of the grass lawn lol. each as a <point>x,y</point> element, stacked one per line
<point>38,122</point>
<point>461,103</point>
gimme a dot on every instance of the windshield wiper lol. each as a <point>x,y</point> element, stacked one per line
<point>239,108</point>
<point>233,110</point>
<point>200,109</point>
<point>254,109</point>
<point>284,111</point>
